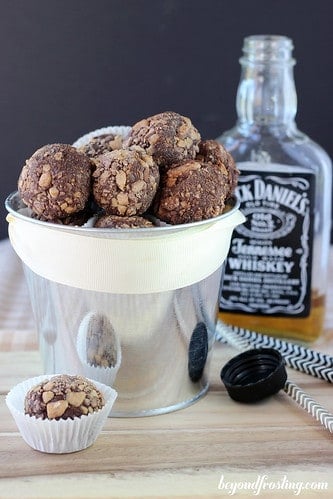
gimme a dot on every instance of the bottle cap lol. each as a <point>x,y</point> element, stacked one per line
<point>254,374</point>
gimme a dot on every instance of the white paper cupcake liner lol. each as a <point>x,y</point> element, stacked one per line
<point>116,130</point>
<point>105,375</point>
<point>62,436</point>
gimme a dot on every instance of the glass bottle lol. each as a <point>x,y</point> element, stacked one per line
<point>276,272</point>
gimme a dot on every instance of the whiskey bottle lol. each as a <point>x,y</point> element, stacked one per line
<point>275,275</point>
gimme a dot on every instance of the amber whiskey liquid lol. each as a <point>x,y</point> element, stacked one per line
<point>304,328</point>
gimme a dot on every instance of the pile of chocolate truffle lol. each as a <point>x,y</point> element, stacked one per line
<point>160,170</point>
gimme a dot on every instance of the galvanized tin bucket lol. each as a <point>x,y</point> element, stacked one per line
<point>134,309</point>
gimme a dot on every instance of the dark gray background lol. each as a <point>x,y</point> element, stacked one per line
<point>71,66</point>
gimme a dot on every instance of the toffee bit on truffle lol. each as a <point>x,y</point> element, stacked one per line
<point>211,151</point>
<point>101,144</point>
<point>62,397</point>
<point>55,181</point>
<point>169,137</point>
<point>125,181</point>
<point>191,191</point>
<point>119,222</point>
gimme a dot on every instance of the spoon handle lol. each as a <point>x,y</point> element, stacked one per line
<point>309,405</point>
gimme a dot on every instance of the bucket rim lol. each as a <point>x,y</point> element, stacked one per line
<point>13,204</point>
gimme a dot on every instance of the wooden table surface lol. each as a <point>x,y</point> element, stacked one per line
<point>214,448</point>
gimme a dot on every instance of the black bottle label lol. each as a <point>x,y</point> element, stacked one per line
<point>268,268</point>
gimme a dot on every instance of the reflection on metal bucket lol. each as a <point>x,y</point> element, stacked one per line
<point>157,338</point>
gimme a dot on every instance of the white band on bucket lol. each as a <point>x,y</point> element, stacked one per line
<point>150,264</point>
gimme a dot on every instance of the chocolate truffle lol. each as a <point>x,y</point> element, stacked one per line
<point>211,151</point>
<point>55,181</point>
<point>76,220</point>
<point>101,144</point>
<point>62,397</point>
<point>118,222</point>
<point>125,181</point>
<point>168,137</point>
<point>191,191</point>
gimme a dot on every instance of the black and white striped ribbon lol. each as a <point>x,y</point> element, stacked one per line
<point>296,356</point>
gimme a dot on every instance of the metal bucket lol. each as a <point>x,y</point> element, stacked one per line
<point>135,309</point>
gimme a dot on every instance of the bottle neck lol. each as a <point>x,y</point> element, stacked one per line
<point>266,94</point>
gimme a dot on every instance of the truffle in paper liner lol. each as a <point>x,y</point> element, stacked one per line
<point>98,348</point>
<point>116,130</point>
<point>63,435</point>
